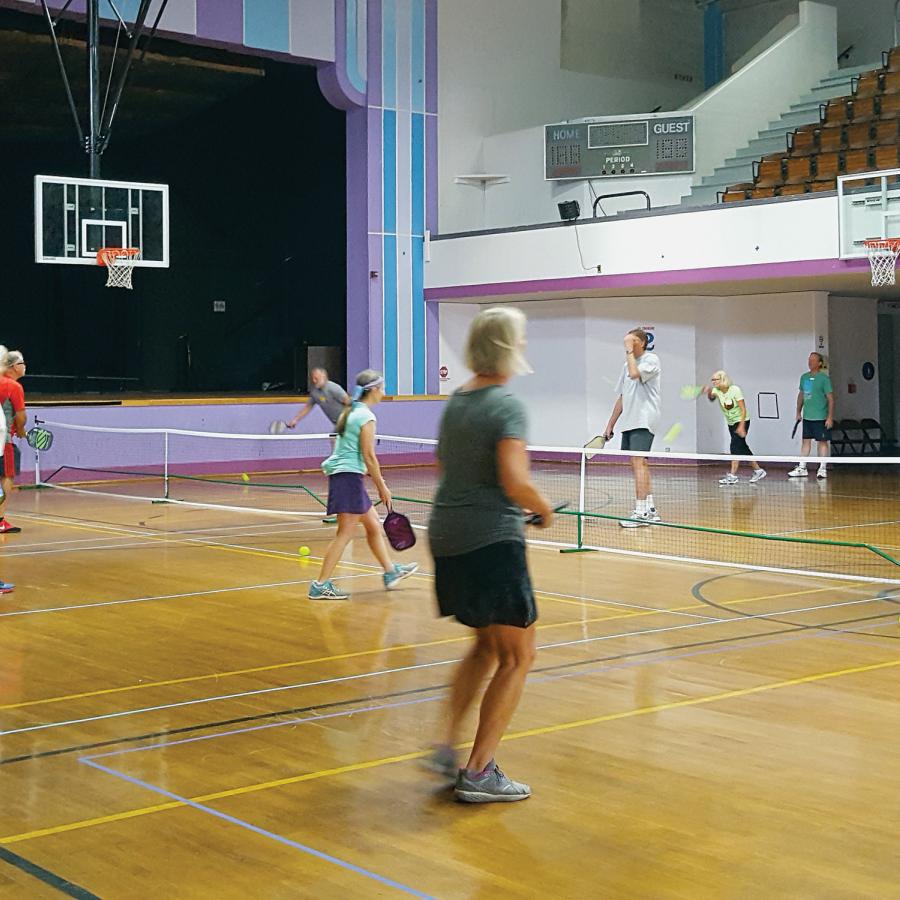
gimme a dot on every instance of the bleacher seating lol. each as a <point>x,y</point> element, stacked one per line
<point>856,133</point>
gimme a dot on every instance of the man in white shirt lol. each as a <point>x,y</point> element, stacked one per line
<point>637,411</point>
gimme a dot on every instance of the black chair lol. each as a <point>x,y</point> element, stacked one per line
<point>874,434</point>
<point>848,438</point>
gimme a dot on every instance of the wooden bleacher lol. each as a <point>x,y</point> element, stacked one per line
<point>857,133</point>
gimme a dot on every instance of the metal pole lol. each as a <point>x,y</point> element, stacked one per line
<point>166,467</point>
<point>94,99</point>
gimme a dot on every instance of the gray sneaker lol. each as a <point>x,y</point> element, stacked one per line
<point>442,761</point>
<point>492,787</point>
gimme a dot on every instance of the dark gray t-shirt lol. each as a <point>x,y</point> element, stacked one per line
<point>470,508</point>
<point>330,397</point>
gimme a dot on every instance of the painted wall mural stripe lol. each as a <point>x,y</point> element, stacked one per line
<point>417,75</point>
<point>389,54</point>
<point>390,313</point>
<point>267,25</point>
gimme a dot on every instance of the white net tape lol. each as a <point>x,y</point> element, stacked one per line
<point>883,259</point>
<point>119,267</point>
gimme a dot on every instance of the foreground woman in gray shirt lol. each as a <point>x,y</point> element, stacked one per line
<point>477,537</point>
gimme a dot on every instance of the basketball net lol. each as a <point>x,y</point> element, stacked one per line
<point>883,259</point>
<point>119,262</point>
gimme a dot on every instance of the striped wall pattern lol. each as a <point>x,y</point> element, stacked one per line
<point>402,107</point>
<point>300,28</point>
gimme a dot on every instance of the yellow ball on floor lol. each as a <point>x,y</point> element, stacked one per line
<point>245,477</point>
<point>304,551</point>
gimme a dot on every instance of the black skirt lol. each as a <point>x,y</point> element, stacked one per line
<point>489,586</point>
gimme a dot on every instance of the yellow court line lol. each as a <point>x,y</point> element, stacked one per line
<point>404,757</point>
<point>189,679</point>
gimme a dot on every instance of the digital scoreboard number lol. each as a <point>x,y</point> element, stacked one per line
<point>619,147</point>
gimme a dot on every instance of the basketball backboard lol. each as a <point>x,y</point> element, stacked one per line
<point>76,217</point>
<point>868,208</point>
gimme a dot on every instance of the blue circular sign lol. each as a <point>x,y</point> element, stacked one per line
<point>868,371</point>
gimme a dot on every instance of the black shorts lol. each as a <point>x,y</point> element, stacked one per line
<point>815,430</point>
<point>637,439</point>
<point>489,586</point>
<point>739,444</point>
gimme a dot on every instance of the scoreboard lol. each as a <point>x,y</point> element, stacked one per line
<point>619,146</point>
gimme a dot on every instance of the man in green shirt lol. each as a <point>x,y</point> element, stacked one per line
<point>815,408</point>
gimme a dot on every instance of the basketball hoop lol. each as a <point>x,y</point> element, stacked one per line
<point>883,259</point>
<point>119,262</point>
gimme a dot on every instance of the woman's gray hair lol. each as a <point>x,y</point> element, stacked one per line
<point>496,341</point>
<point>8,359</point>
<point>724,381</point>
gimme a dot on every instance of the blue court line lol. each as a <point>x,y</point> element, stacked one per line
<point>542,679</point>
<point>296,845</point>
<point>417,666</point>
<point>318,854</point>
<point>302,720</point>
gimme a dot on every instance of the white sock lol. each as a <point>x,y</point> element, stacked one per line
<point>650,503</point>
<point>640,506</point>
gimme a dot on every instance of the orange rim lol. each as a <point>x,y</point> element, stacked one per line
<point>107,255</point>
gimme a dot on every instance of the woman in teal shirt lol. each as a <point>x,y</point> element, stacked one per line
<point>354,457</point>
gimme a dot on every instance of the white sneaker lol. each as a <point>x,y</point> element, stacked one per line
<point>729,479</point>
<point>640,519</point>
<point>822,473</point>
<point>758,475</point>
<point>798,472</point>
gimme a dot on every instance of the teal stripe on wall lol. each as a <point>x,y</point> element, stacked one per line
<point>267,25</point>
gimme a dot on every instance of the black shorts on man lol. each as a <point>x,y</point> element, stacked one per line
<point>637,440</point>
<point>815,430</point>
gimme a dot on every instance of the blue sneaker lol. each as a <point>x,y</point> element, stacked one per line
<point>392,579</point>
<point>6,587</point>
<point>325,590</point>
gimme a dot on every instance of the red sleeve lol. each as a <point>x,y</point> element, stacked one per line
<point>17,397</point>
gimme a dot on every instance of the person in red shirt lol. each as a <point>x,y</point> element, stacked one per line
<point>12,404</point>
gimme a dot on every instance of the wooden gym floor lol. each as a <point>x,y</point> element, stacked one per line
<point>177,719</point>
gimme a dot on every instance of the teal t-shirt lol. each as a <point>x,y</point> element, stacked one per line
<point>347,456</point>
<point>815,390</point>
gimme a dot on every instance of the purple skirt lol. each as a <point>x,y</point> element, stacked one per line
<point>347,494</point>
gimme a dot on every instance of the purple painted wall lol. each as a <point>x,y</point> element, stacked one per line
<point>410,418</point>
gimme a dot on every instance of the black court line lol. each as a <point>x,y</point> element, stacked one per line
<point>49,878</point>
<point>338,704</point>
<point>697,592</point>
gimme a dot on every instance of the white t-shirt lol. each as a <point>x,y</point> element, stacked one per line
<point>641,407</point>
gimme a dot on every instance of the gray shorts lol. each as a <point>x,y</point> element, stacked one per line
<point>637,439</point>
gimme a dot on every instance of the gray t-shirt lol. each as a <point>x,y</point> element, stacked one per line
<point>331,397</point>
<point>640,396</point>
<point>470,508</point>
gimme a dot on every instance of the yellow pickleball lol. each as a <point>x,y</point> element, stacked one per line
<point>673,432</point>
<point>245,477</point>
<point>304,551</point>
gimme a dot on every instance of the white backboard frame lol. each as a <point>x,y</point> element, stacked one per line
<point>870,212</point>
<point>81,257</point>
